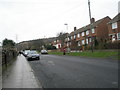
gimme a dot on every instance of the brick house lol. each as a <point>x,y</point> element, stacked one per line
<point>57,44</point>
<point>98,30</point>
<point>114,28</point>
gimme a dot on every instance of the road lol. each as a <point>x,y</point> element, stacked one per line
<point>75,72</point>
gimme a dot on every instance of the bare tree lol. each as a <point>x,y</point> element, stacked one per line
<point>61,36</point>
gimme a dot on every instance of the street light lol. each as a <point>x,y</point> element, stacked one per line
<point>90,25</point>
<point>67,31</point>
<point>68,49</point>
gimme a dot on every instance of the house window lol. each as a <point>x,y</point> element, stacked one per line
<point>93,30</point>
<point>68,39</point>
<point>74,36</point>
<point>87,41</point>
<point>83,34</point>
<point>114,25</point>
<point>118,36</point>
<point>113,38</point>
<point>83,42</point>
<point>79,43</point>
<point>87,32</point>
<point>78,35</point>
<point>67,44</point>
<point>65,39</point>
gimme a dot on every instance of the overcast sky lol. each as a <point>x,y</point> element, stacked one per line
<point>34,19</point>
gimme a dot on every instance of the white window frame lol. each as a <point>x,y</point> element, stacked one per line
<point>93,30</point>
<point>74,36</point>
<point>54,41</point>
<point>83,33</point>
<point>113,37</point>
<point>78,35</point>
<point>114,25</point>
<point>90,40</point>
<point>87,32</point>
<point>67,44</point>
<point>118,36</point>
<point>83,42</point>
<point>79,43</point>
<point>87,41</point>
<point>68,39</point>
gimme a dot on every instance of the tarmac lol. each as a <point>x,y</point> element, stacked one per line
<point>20,75</point>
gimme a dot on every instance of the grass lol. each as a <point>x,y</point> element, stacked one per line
<point>96,54</point>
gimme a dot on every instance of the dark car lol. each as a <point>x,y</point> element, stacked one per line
<point>33,55</point>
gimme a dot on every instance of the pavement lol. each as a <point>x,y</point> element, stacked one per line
<point>20,75</point>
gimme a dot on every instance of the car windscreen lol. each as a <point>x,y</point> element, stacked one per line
<point>32,52</point>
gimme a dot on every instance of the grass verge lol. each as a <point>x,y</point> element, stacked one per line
<point>95,54</point>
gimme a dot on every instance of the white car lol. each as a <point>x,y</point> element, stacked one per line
<point>26,52</point>
<point>44,52</point>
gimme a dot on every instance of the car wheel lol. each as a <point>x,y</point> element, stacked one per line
<point>38,58</point>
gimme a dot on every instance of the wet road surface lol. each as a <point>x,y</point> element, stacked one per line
<point>75,72</point>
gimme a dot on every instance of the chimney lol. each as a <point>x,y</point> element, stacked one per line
<point>92,20</point>
<point>75,28</point>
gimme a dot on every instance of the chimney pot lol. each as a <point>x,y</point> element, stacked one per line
<point>92,20</point>
<point>75,28</point>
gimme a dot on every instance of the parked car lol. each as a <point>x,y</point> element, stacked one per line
<point>26,52</point>
<point>33,55</point>
<point>44,52</point>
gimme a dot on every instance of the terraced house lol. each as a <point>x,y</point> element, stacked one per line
<point>89,34</point>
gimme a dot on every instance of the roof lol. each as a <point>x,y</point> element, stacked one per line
<point>87,27</point>
<point>115,19</point>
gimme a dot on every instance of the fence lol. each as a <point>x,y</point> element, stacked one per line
<point>8,56</point>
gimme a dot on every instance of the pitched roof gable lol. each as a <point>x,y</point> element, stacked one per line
<point>116,18</point>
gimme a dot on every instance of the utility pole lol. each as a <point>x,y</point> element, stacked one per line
<point>16,42</point>
<point>90,25</point>
<point>16,38</point>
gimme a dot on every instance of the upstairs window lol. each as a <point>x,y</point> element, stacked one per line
<point>68,38</point>
<point>93,30</point>
<point>83,34</point>
<point>114,25</point>
<point>78,35</point>
<point>74,36</point>
<point>87,32</point>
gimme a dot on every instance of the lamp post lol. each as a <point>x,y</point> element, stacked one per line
<point>68,47</point>
<point>90,25</point>
<point>67,30</point>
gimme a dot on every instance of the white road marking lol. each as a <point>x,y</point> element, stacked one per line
<point>51,63</point>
